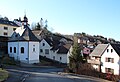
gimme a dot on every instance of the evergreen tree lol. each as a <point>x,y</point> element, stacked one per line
<point>76,57</point>
<point>38,26</point>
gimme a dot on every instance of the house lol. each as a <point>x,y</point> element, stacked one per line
<point>7,27</point>
<point>86,52</point>
<point>18,22</point>
<point>110,59</point>
<point>106,58</point>
<point>45,46</point>
<point>54,46</point>
<point>56,49</point>
<point>95,56</point>
<point>24,45</point>
<point>62,53</point>
<point>83,40</point>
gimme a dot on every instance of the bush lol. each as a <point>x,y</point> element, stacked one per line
<point>87,69</point>
<point>8,60</point>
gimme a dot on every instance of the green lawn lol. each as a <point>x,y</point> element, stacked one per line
<point>3,74</point>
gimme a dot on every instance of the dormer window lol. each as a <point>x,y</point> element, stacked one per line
<point>16,35</point>
<point>107,50</point>
<point>43,44</point>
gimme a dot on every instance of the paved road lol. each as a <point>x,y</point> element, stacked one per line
<point>42,74</point>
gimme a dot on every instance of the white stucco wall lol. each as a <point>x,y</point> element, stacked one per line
<point>46,46</point>
<point>65,57</point>
<point>69,53</point>
<point>18,55</point>
<point>57,57</point>
<point>53,54</point>
<point>114,65</point>
<point>28,56</point>
<point>12,44</point>
<point>23,56</point>
<point>33,55</point>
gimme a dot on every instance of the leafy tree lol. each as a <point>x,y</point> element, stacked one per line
<point>42,26</point>
<point>76,57</point>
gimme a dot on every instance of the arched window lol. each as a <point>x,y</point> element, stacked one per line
<point>22,49</point>
<point>10,49</point>
<point>14,49</point>
<point>60,58</point>
<point>43,44</point>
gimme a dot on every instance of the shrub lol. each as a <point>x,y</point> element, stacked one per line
<point>8,60</point>
<point>87,69</point>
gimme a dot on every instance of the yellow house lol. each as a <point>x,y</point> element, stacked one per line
<point>7,28</point>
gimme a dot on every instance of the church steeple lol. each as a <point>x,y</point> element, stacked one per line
<point>25,20</point>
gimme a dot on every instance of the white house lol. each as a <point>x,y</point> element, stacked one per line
<point>62,53</point>
<point>110,59</point>
<point>55,49</point>
<point>45,49</point>
<point>95,56</point>
<point>24,45</point>
<point>106,58</point>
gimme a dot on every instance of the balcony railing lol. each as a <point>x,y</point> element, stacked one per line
<point>93,61</point>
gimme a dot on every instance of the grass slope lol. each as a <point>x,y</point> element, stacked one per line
<point>3,75</point>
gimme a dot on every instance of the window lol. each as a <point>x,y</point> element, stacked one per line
<point>5,28</point>
<point>43,44</point>
<point>10,49</point>
<point>41,50</point>
<point>111,50</point>
<point>14,49</point>
<point>87,50</point>
<point>53,57</point>
<point>16,35</point>
<point>14,29</point>
<point>109,60</point>
<point>60,58</point>
<point>112,59</point>
<point>107,50</point>
<point>22,49</point>
<point>5,33</point>
<point>46,51</point>
<point>109,70</point>
<point>33,49</point>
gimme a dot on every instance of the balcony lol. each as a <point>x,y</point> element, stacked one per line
<point>93,61</point>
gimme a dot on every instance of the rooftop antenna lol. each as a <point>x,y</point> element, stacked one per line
<point>25,13</point>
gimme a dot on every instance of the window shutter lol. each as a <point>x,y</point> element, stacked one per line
<point>112,60</point>
<point>106,59</point>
